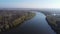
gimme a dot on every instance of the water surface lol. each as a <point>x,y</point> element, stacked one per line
<point>36,25</point>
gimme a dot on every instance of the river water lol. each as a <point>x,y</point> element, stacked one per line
<point>36,25</point>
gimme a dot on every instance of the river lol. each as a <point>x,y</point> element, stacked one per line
<point>36,25</point>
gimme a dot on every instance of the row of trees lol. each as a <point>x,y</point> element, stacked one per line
<point>11,20</point>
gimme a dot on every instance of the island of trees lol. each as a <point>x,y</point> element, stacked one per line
<point>13,18</point>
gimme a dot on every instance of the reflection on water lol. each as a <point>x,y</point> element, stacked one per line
<point>37,25</point>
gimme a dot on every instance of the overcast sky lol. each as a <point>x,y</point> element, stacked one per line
<point>29,3</point>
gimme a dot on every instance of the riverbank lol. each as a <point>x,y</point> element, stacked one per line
<point>54,25</point>
<point>23,18</point>
<point>16,22</point>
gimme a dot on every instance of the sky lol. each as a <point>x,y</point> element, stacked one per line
<point>29,3</point>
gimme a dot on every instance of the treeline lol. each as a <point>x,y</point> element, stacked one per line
<point>10,20</point>
<point>23,18</point>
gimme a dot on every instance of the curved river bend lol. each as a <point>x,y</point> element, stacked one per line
<point>36,25</point>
